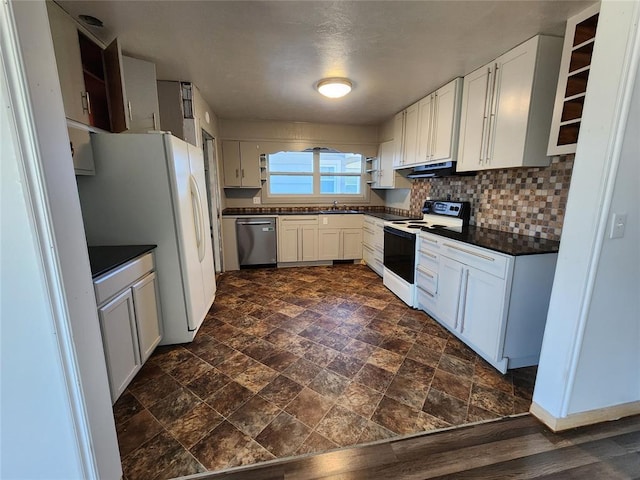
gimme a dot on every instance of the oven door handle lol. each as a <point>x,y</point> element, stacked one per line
<point>399,233</point>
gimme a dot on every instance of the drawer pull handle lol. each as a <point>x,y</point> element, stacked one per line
<point>425,291</point>
<point>470,252</point>
<point>430,240</point>
<point>422,252</point>
<point>426,274</point>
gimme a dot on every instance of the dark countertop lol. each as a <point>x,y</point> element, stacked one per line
<point>503,242</point>
<point>390,217</point>
<point>231,212</point>
<point>105,258</point>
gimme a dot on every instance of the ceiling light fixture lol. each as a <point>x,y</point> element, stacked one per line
<point>334,87</point>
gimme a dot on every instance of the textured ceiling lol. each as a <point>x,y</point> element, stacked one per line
<point>261,59</point>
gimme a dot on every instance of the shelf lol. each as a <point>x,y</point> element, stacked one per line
<point>568,134</point>
<point>572,110</point>
<point>371,171</point>
<point>581,57</point>
<point>577,83</point>
<point>585,30</point>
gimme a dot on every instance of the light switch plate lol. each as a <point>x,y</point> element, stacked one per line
<point>256,200</point>
<point>618,225</point>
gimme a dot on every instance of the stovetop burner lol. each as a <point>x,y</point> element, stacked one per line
<point>414,226</point>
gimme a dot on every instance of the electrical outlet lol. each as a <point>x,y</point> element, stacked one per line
<point>618,224</point>
<point>256,200</point>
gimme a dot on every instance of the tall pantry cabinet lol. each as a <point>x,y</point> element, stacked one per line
<point>507,107</point>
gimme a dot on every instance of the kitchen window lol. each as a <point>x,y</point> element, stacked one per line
<point>314,176</point>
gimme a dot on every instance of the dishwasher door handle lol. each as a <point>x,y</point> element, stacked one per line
<point>255,223</point>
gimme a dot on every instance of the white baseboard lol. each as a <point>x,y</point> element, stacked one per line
<point>584,418</point>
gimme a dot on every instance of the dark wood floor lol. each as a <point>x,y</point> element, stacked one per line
<point>511,448</point>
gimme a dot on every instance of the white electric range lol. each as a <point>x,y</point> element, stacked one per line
<point>400,243</point>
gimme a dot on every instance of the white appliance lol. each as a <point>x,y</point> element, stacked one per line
<point>150,189</point>
<point>400,243</point>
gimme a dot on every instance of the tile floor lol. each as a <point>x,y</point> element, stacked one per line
<point>301,360</point>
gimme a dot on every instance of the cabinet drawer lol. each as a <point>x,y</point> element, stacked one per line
<point>429,242</point>
<point>428,259</point>
<point>116,280</point>
<point>427,280</point>
<point>425,300</point>
<point>299,219</point>
<point>480,258</point>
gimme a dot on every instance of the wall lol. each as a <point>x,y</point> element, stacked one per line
<point>363,139</point>
<point>56,412</point>
<point>590,353</point>
<point>528,201</point>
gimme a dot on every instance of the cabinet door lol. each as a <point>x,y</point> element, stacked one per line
<point>231,163</point>
<point>398,140</point>
<point>425,120</point>
<point>351,243</point>
<point>142,94</point>
<point>69,62</point>
<point>116,92</point>
<point>81,151</point>
<point>119,336</point>
<point>250,164</point>
<point>329,244</point>
<point>386,173</point>
<point>309,243</point>
<point>445,123</point>
<point>473,119</point>
<point>287,242</point>
<point>482,308</point>
<point>411,135</point>
<point>450,274</point>
<point>145,301</point>
<point>509,114</point>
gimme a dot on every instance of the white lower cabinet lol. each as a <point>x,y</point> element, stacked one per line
<point>495,303</point>
<point>297,238</point>
<point>120,341</point>
<point>129,315</point>
<point>340,237</point>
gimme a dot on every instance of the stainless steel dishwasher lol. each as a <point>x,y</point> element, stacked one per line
<point>257,241</point>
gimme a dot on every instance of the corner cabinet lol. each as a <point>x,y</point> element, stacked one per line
<point>383,175</point>
<point>129,315</point>
<point>241,163</point>
<point>579,40</point>
<point>507,107</point>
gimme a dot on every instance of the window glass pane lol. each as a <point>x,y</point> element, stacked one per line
<point>340,162</point>
<point>340,185</point>
<point>291,162</point>
<point>291,184</point>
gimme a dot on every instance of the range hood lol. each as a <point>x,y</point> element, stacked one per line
<point>441,169</point>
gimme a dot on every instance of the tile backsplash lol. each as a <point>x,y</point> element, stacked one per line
<point>528,201</point>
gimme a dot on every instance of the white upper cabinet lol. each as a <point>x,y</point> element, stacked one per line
<point>579,40</point>
<point>67,50</point>
<point>507,107</point>
<point>142,94</point>
<point>398,139</point>
<point>90,75</point>
<point>383,175</point>
<point>241,161</point>
<point>429,128</point>
<point>445,122</point>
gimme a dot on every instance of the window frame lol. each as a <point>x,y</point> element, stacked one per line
<point>317,196</point>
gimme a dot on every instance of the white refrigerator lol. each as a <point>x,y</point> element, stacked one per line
<point>150,189</point>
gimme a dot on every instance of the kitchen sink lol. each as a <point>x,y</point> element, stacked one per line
<point>338,211</point>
